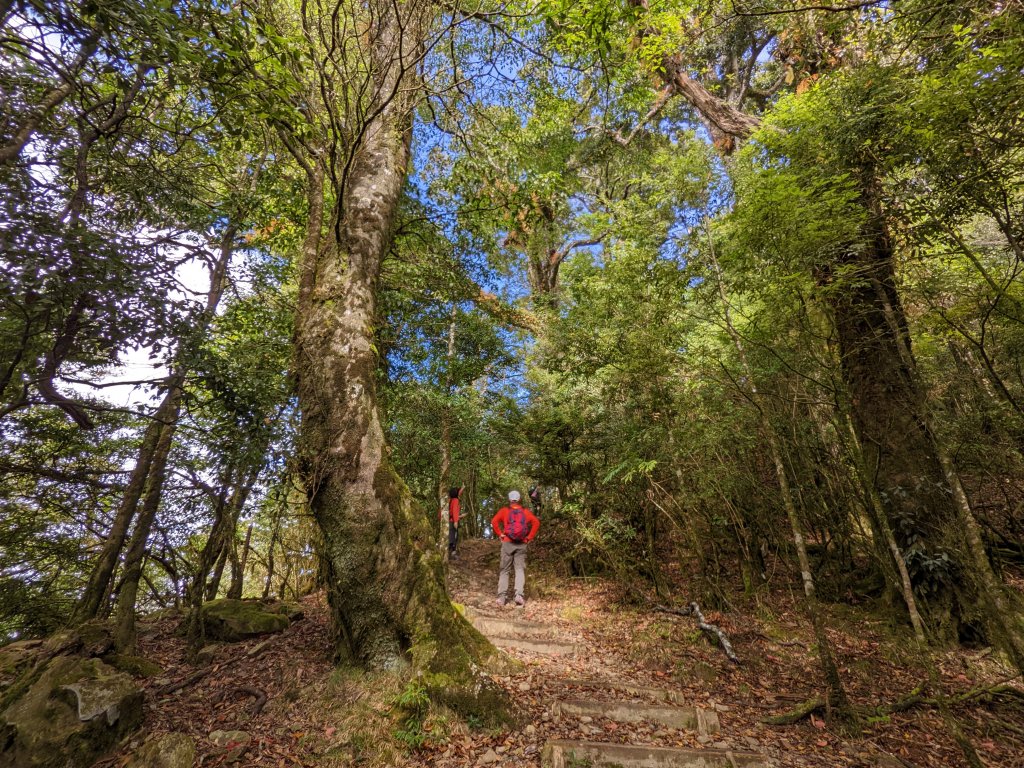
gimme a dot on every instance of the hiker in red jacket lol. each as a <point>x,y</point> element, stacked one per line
<point>515,526</point>
<point>454,509</point>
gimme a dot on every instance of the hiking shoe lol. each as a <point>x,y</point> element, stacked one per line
<point>501,602</point>
<point>520,602</point>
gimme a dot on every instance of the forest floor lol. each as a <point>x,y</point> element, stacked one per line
<point>316,715</point>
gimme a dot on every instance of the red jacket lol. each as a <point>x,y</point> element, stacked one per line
<point>501,519</point>
<point>454,508</point>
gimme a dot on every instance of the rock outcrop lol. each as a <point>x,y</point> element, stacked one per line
<point>234,620</point>
<point>15,657</point>
<point>73,712</point>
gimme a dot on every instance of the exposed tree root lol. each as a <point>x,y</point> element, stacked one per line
<point>797,713</point>
<point>915,698</point>
<point>260,698</point>
<point>694,610</point>
<point>192,679</point>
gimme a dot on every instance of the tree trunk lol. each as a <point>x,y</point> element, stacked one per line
<point>385,578</point>
<point>916,483</point>
<point>213,583</point>
<point>270,559</point>
<point>838,704</point>
<point>124,633</point>
<point>97,591</point>
<point>238,568</point>
<point>444,473</point>
<point>881,524</point>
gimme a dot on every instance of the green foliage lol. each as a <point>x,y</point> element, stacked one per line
<point>578,285</point>
<point>58,483</point>
<point>411,707</point>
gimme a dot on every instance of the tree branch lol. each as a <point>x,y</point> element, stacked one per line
<point>693,609</point>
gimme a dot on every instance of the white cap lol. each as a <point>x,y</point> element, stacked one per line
<point>514,496</point>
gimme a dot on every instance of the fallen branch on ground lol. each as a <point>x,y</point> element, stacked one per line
<point>797,713</point>
<point>195,677</point>
<point>694,610</point>
<point>915,698</point>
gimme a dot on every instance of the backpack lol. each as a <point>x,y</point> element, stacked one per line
<point>516,527</point>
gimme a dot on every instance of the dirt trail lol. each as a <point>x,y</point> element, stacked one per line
<point>594,672</point>
<point>589,702</point>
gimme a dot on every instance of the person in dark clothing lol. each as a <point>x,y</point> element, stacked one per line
<point>454,510</point>
<point>534,494</point>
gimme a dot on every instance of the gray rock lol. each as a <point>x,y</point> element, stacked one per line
<point>74,713</point>
<point>172,750</point>
<point>233,743</point>
<point>206,655</point>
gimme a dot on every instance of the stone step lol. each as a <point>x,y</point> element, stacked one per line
<point>570,754</point>
<point>500,627</point>
<point>546,647</point>
<point>639,691</point>
<point>685,718</point>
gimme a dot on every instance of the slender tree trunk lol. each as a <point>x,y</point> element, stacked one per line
<point>838,703</point>
<point>124,633</point>
<point>213,583</point>
<point>125,637</point>
<point>444,474</point>
<point>283,586</point>
<point>238,567</point>
<point>883,527</point>
<point>97,591</point>
<point>270,560</point>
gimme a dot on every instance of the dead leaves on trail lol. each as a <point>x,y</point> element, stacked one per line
<point>315,715</point>
<point>779,670</point>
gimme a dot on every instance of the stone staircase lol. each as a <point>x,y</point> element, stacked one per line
<point>617,701</point>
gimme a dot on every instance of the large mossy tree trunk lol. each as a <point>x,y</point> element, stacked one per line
<point>385,580</point>
<point>916,483</point>
<point>910,473</point>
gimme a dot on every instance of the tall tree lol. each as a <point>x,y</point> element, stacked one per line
<point>359,87</point>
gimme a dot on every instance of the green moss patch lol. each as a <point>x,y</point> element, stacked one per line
<point>236,620</point>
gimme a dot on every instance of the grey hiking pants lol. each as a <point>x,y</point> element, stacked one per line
<point>512,554</point>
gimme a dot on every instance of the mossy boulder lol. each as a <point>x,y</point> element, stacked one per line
<point>234,620</point>
<point>93,638</point>
<point>15,658</point>
<point>294,611</point>
<point>172,750</point>
<point>74,712</point>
